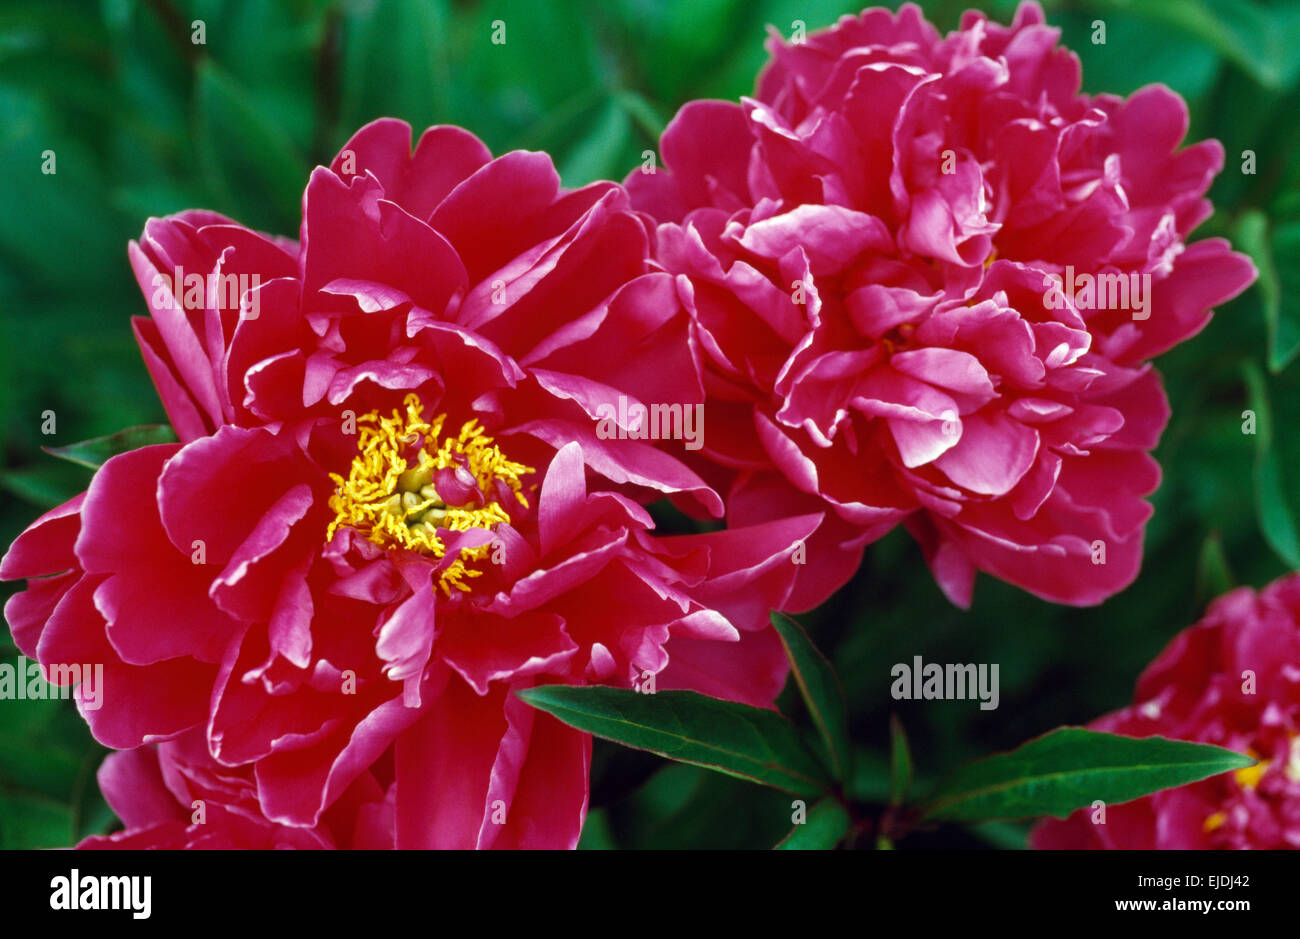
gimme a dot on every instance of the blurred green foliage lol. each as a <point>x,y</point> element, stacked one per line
<point>144,122</point>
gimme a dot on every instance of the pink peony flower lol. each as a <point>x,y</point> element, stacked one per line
<point>391,506</point>
<point>1230,680</point>
<point>928,277</point>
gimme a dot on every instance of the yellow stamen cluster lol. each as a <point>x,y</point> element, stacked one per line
<point>1249,777</point>
<point>389,494</point>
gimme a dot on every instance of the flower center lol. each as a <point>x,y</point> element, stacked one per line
<point>897,338</point>
<point>408,485</point>
<point>1249,777</point>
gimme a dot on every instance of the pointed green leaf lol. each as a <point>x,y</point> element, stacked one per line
<point>396,63</point>
<point>41,487</point>
<point>826,825</point>
<point>1213,574</point>
<point>748,742</point>
<point>900,762</point>
<point>821,692</point>
<point>96,451</point>
<point>254,169</point>
<point>643,113</point>
<point>1275,517</point>
<point>1070,768</point>
<point>1284,332</point>
<point>1276,520</point>
<point>1266,248</point>
<point>599,153</point>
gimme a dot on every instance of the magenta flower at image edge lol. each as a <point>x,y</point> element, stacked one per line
<point>869,239</point>
<point>1232,680</point>
<point>326,623</point>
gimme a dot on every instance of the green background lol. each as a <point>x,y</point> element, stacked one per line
<point>144,123</point>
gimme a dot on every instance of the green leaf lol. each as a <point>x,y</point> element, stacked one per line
<point>736,739</point>
<point>1276,520</point>
<point>1257,40</point>
<point>254,169</point>
<point>29,821</point>
<point>41,210</point>
<point>547,69</point>
<point>684,807</point>
<point>33,755</point>
<point>42,487</point>
<point>1284,331</point>
<point>826,825</point>
<point>1275,517</point>
<point>689,33</point>
<point>395,63</point>
<point>900,762</point>
<point>871,776</point>
<point>274,52</point>
<point>643,112</point>
<point>1007,836</point>
<point>1069,768</point>
<point>596,835</point>
<point>1213,575</point>
<point>549,53</point>
<point>1128,59</point>
<point>821,692</point>
<point>1253,237</point>
<point>601,153</point>
<point>96,451</point>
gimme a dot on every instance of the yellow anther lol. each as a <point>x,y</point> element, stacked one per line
<point>1249,777</point>
<point>395,504</point>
